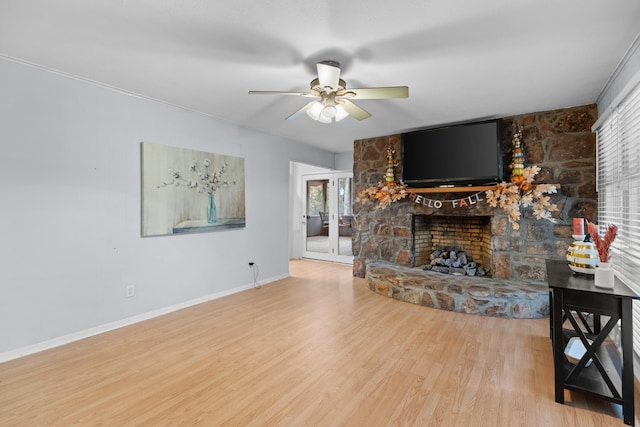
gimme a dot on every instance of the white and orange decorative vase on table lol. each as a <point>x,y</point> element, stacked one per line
<point>582,255</point>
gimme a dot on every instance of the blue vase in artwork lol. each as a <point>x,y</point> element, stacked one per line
<point>212,215</point>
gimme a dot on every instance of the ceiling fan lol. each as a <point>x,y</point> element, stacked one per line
<point>334,98</point>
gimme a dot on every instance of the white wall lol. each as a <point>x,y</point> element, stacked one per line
<point>344,161</point>
<point>70,208</point>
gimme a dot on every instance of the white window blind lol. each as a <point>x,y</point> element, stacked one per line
<point>618,184</point>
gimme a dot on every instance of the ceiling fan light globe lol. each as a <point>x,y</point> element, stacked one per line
<point>315,110</point>
<point>329,111</point>
<point>323,119</point>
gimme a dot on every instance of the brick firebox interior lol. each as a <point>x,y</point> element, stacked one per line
<point>470,234</point>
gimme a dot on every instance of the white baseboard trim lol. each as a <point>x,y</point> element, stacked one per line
<point>97,330</point>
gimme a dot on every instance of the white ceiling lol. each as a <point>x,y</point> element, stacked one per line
<point>462,59</point>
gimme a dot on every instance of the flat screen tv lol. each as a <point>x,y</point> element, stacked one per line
<point>456,156</point>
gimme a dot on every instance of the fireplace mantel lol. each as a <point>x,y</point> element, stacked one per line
<point>471,189</point>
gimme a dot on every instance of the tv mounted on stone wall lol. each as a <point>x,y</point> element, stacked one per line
<point>455,156</point>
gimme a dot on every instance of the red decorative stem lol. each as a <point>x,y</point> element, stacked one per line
<point>603,244</point>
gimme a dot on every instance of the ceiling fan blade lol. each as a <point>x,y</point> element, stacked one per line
<point>328,75</point>
<point>277,92</point>
<point>379,92</point>
<point>301,111</point>
<point>355,111</point>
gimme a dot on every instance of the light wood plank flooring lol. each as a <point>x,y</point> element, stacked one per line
<point>316,349</point>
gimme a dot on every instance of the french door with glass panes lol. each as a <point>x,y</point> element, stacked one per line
<point>328,217</point>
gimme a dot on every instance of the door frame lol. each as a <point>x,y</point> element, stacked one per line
<point>335,218</point>
<point>332,207</point>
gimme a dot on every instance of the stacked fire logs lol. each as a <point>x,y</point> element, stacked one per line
<point>454,261</point>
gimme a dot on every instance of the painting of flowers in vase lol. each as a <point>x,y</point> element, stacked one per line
<point>189,191</point>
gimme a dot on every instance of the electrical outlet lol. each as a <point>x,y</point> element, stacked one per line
<point>251,264</point>
<point>130,291</point>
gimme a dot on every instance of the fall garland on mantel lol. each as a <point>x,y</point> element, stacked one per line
<point>513,196</point>
<point>510,196</point>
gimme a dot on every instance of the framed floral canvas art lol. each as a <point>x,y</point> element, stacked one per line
<point>188,191</point>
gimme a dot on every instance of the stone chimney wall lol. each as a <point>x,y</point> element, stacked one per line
<point>560,142</point>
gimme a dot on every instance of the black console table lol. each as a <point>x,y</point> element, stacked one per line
<point>610,375</point>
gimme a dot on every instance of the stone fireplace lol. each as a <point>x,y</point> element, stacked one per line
<point>560,142</point>
<point>470,234</point>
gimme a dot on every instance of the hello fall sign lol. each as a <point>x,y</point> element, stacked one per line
<point>455,203</point>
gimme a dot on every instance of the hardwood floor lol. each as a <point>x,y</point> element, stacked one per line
<point>318,348</point>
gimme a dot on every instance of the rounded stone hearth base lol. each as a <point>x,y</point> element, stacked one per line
<point>483,296</point>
